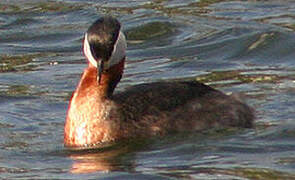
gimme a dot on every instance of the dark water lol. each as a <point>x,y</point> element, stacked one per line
<point>245,47</point>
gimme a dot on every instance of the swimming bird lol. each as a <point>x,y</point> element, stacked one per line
<point>97,115</point>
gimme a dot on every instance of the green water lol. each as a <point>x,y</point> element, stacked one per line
<point>245,47</point>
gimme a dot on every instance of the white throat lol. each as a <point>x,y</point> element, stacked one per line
<point>119,52</point>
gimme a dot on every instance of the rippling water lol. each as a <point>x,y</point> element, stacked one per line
<point>245,47</point>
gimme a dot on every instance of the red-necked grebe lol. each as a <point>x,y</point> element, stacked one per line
<point>96,115</point>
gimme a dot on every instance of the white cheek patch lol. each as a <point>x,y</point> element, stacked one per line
<point>117,55</point>
<point>119,50</point>
<point>87,52</point>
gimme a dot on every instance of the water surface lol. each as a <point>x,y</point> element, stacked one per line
<point>245,47</point>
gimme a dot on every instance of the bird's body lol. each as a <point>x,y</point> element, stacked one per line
<point>97,115</point>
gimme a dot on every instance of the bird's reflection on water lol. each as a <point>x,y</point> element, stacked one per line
<point>104,159</point>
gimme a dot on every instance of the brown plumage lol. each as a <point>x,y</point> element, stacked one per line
<point>97,115</point>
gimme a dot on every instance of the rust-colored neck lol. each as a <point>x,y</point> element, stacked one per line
<point>109,80</point>
<point>85,123</point>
